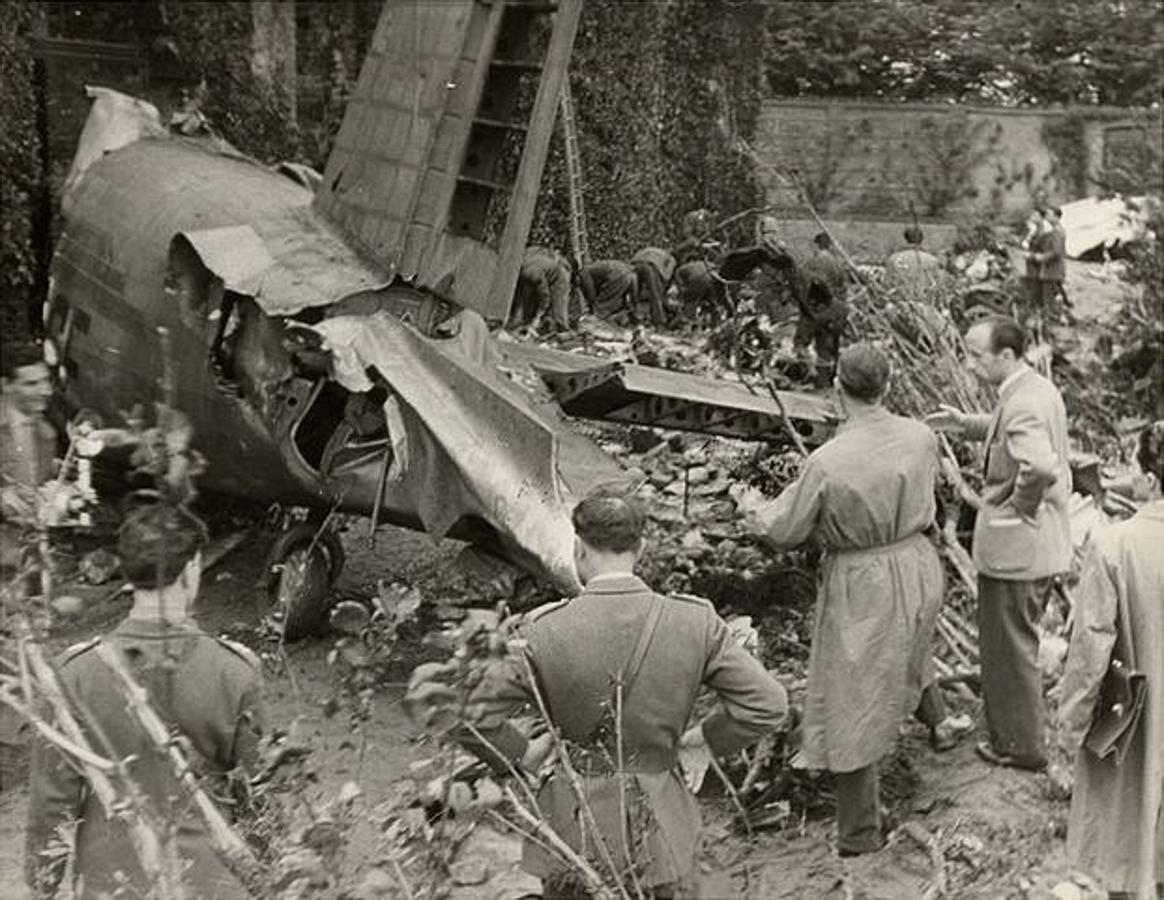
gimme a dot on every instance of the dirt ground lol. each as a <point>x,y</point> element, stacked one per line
<point>1000,835</point>
<point>231,604</point>
<point>996,832</point>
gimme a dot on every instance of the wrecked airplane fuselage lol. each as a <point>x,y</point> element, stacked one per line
<point>262,298</point>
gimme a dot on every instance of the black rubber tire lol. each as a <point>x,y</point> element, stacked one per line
<point>301,585</point>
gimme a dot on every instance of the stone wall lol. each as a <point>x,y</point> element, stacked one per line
<point>867,241</point>
<point>948,162</point>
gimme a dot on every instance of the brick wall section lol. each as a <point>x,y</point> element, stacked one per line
<point>872,159</point>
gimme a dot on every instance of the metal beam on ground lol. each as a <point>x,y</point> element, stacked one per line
<point>593,388</point>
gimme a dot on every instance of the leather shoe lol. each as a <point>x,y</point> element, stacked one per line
<point>992,756</point>
<point>948,733</point>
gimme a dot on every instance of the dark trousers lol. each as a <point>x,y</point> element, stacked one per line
<point>858,794</point>
<point>1012,684</point>
<point>608,295</point>
<point>649,286</point>
<point>858,810</point>
<point>542,289</point>
<point>826,341</point>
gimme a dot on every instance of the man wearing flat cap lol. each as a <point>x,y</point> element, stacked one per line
<point>207,689</point>
<point>868,497</point>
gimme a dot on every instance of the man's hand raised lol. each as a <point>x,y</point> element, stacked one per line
<point>948,420</point>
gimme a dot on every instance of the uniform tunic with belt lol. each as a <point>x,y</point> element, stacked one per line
<point>1116,829</point>
<point>868,497</point>
<point>28,446</point>
<point>575,648</point>
<point>207,690</point>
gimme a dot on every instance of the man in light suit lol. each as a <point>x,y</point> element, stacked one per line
<point>1022,536</point>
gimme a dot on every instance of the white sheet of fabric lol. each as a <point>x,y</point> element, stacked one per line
<point>1092,222</point>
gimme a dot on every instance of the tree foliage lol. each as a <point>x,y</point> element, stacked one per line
<point>1016,53</point>
<point>656,95</point>
<point>212,42</point>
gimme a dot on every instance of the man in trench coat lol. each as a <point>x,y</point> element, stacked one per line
<point>868,496</point>
<point>1116,828</point>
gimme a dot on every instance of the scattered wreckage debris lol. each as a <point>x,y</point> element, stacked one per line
<point>262,294</point>
<point>1099,228</point>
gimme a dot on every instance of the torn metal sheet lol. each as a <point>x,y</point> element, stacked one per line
<point>236,254</point>
<point>290,261</point>
<point>290,257</point>
<point>477,446</point>
<point>115,120</point>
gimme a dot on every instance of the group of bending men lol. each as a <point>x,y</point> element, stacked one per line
<point>688,285</point>
<point>621,649</point>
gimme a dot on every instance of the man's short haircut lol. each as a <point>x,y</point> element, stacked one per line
<point>18,355</point>
<point>913,235</point>
<point>156,542</point>
<point>1005,334</point>
<point>822,240</point>
<point>863,371</point>
<point>608,519</point>
<point>1150,455</point>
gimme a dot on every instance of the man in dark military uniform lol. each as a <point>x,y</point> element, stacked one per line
<point>543,286</point>
<point>666,649</point>
<point>702,294</point>
<point>610,288</point>
<point>207,689</point>
<point>824,311</point>
<point>654,268</point>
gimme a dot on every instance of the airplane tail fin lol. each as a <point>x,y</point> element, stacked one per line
<point>436,166</point>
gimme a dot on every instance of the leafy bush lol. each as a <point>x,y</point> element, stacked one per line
<point>655,90</point>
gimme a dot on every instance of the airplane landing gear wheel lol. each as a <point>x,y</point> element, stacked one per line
<point>301,569</point>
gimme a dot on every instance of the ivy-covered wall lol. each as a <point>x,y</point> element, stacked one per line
<point>214,43</point>
<point>656,86</point>
<point>20,170</point>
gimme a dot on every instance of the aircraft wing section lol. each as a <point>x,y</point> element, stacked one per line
<point>474,444</point>
<point>593,388</point>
